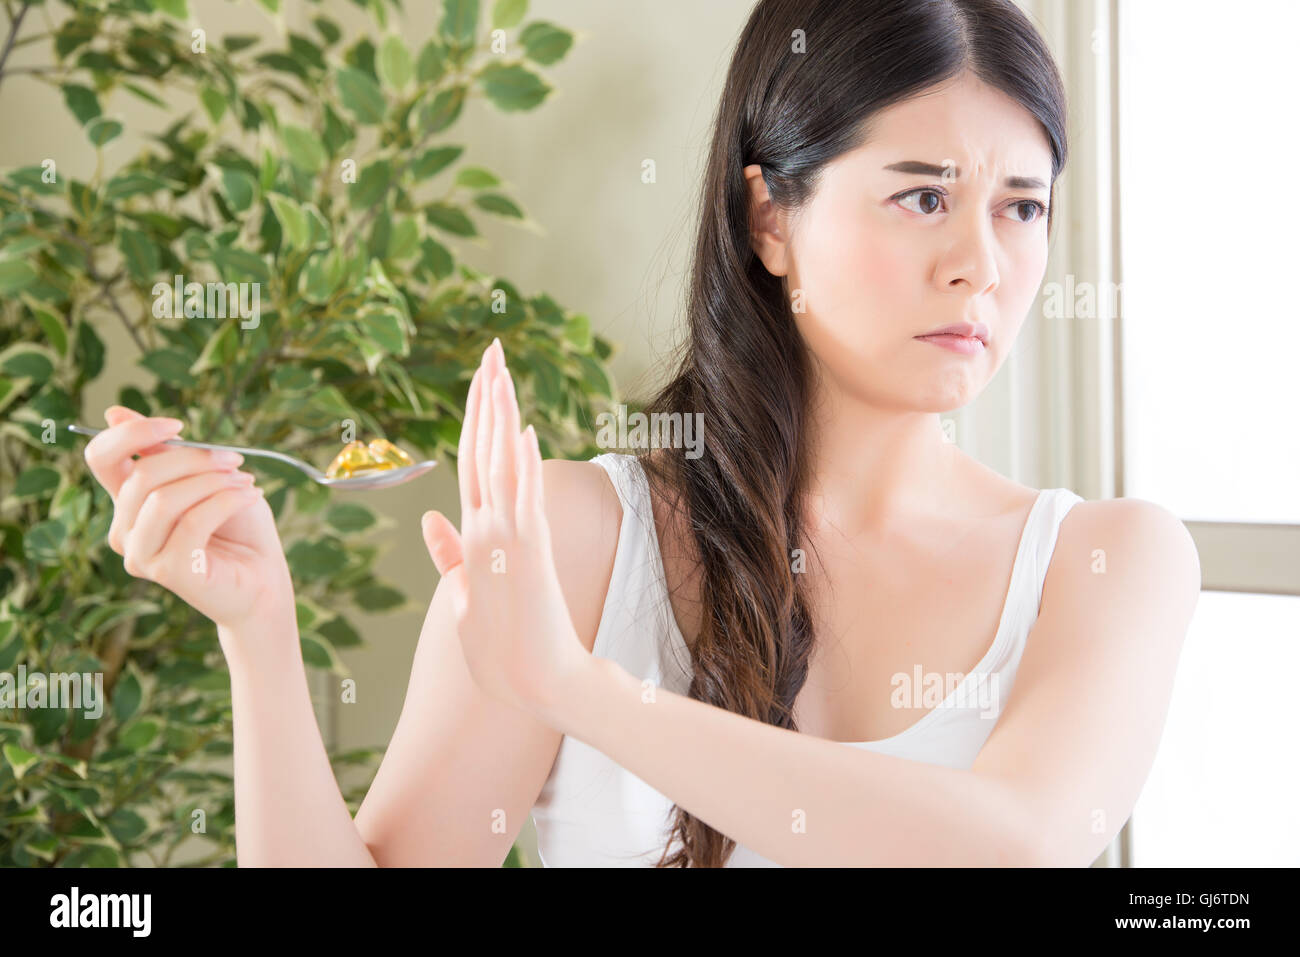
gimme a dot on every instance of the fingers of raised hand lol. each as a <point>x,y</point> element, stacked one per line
<point>155,472</point>
<point>502,474</point>
<point>483,431</point>
<point>181,516</point>
<point>466,458</point>
<point>109,453</point>
<point>529,506</point>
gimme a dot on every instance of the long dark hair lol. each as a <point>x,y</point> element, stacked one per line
<point>744,367</point>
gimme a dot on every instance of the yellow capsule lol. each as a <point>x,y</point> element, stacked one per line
<point>351,457</point>
<point>387,455</point>
<point>357,458</point>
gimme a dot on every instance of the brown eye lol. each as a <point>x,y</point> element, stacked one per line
<point>1037,208</point>
<point>926,206</point>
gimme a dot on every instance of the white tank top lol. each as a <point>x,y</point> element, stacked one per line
<point>593,813</point>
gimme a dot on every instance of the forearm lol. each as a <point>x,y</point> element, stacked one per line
<point>289,811</point>
<point>796,799</point>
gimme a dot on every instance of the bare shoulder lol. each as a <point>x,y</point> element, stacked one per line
<point>584,515</point>
<point>1125,552</point>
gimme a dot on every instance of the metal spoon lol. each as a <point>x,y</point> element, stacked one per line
<point>381,478</point>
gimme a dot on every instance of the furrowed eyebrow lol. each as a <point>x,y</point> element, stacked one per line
<point>932,169</point>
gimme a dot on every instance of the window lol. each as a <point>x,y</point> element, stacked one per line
<point>1210,327</point>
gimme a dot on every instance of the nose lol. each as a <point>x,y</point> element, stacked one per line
<point>971,263</point>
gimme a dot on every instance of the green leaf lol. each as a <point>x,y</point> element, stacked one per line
<point>44,541</point>
<point>54,331</point>
<point>305,50</point>
<point>239,189</point>
<point>379,597</point>
<point>450,219</point>
<point>500,205</point>
<point>350,517</point>
<point>513,87</point>
<point>82,101</point>
<point>139,734</point>
<point>89,350</point>
<point>593,376</point>
<point>237,264</point>
<point>577,330</point>
<point>36,481</point>
<point>24,361</point>
<point>371,185</point>
<point>328,29</point>
<point>292,219</point>
<point>219,351</point>
<point>132,183</point>
<point>292,379</point>
<point>434,161</point>
<point>176,8</point>
<point>340,633</point>
<point>305,149</point>
<point>545,43</point>
<point>213,102</point>
<point>385,329</point>
<point>127,695</point>
<point>394,63</point>
<point>144,94</point>
<point>111,613</point>
<point>171,366</point>
<point>126,826</point>
<point>310,498</point>
<point>435,260</point>
<point>102,130</point>
<point>140,253</point>
<point>317,653</point>
<point>476,177</point>
<point>402,242</point>
<point>20,759</point>
<point>15,274</point>
<point>431,64</point>
<point>234,42</point>
<point>459,22</point>
<point>311,560</point>
<point>508,13</point>
<point>361,95</point>
<point>314,282</point>
<point>442,111</point>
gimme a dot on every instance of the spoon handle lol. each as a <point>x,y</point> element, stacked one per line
<point>287,459</point>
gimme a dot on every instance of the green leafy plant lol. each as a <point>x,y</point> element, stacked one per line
<point>318,184</point>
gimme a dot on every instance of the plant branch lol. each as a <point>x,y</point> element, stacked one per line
<point>15,24</point>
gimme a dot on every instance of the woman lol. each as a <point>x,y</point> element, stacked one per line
<point>879,172</point>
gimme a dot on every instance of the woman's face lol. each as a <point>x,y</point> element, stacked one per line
<point>882,255</point>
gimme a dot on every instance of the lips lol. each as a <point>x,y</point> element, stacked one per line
<point>969,330</point>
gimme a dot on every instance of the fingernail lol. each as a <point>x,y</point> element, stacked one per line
<point>163,427</point>
<point>227,458</point>
<point>240,478</point>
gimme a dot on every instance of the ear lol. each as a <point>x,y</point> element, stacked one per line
<point>768,227</point>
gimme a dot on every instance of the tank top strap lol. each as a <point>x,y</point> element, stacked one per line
<point>1054,506</point>
<point>619,467</point>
